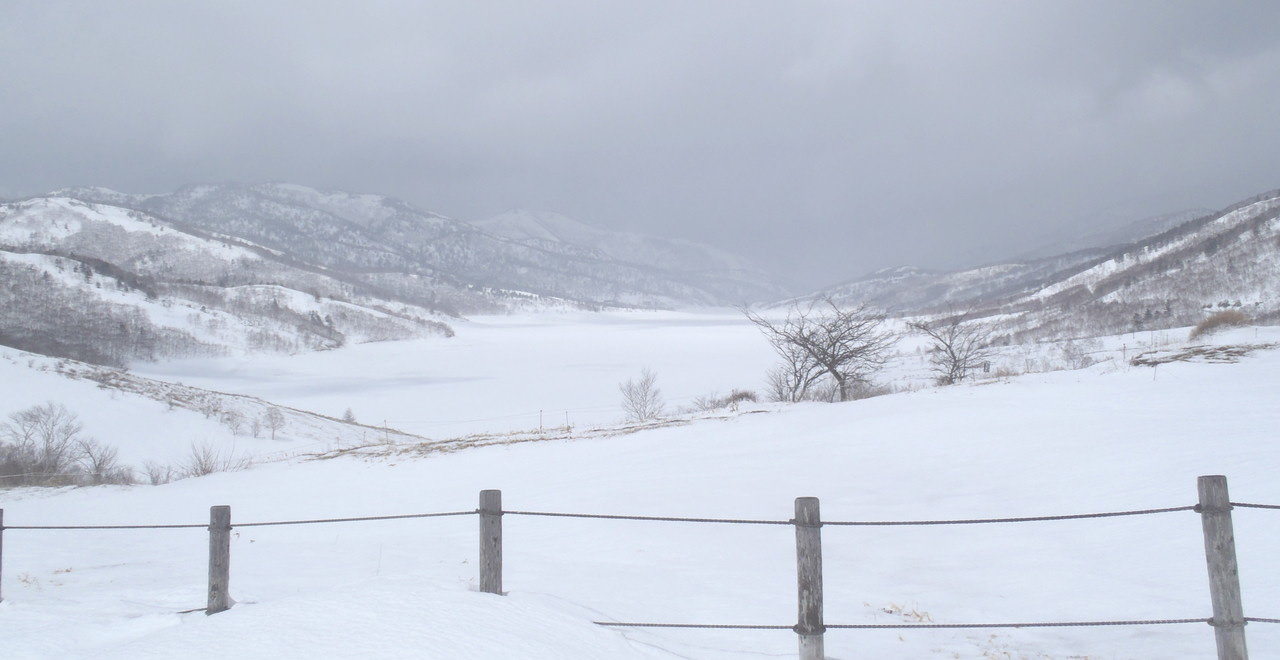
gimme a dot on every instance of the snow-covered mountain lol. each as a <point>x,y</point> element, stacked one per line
<point>390,243</point>
<point>112,285</point>
<point>1230,258</point>
<point>545,228</point>
<point>112,277</point>
<point>1109,234</point>
<point>909,289</point>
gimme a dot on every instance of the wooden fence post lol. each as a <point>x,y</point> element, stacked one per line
<point>1,554</point>
<point>809,624</point>
<point>1224,574</point>
<point>219,560</point>
<point>491,541</point>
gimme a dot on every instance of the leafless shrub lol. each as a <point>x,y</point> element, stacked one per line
<point>101,464</point>
<point>234,420</point>
<point>1230,318</point>
<point>732,401</point>
<point>206,459</point>
<point>641,398</point>
<point>1004,372</point>
<point>1076,354</point>
<point>158,474</point>
<point>40,445</point>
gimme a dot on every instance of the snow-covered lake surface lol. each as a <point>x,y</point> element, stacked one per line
<point>1107,438</point>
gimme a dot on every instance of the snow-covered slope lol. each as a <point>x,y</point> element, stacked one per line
<point>1110,438</point>
<point>1227,259</point>
<point>912,290</point>
<point>396,245</point>
<point>111,285</point>
<point>159,421</point>
<point>668,254</point>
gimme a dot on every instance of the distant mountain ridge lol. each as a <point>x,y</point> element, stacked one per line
<point>110,277</point>
<point>396,243</point>
<point>704,265</point>
<point>110,285</point>
<point>1225,259</point>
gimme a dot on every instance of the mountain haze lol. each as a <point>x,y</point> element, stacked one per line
<point>112,277</point>
<point>1226,259</point>
<point>390,242</point>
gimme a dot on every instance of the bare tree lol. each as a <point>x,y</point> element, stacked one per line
<point>41,443</point>
<point>101,463</point>
<point>795,378</point>
<point>274,420</point>
<point>641,399</point>
<point>234,420</point>
<point>958,346</point>
<point>823,340</point>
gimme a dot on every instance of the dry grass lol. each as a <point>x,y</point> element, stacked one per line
<point>1225,319</point>
<point>1212,354</point>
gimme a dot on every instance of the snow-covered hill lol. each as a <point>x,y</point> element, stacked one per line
<point>392,244</point>
<point>1113,437</point>
<point>683,258</point>
<point>1228,259</point>
<point>161,422</point>
<point>113,285</point>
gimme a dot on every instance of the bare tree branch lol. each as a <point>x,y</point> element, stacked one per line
<point>641,399</point>
<point>958,346</point>
<point>824,340</point>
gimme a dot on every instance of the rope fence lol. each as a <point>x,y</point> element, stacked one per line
<point>1245,505</point>
<point>912,626</point>
<point>601,516</point>
<point>1214,509</point>
<point>321,521</point>
<point>84,527</point>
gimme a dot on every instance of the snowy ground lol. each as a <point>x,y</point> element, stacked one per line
<point>1106,438</point>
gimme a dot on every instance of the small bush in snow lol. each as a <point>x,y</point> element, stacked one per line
<point>207,459</point>
<point>732,401</point>
<point>157,474</point>
<point>641,398</point>
<point>1225,319</point>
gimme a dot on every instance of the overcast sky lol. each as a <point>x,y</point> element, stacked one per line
<point>822,139</point>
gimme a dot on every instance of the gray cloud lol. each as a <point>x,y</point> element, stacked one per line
<point>822,138</point>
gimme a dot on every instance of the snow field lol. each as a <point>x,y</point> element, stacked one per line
<point>1099,439</point>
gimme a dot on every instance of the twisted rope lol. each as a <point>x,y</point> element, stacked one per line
<point>900,626</point>
<point>981,521</point>
<point>600,516</point>
<point>1246,505</point>
<point>357,519</point>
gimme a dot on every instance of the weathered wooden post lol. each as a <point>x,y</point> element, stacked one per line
<point>1224,574</point>
<point>219,560</point>
<point>1,554</point>
<point>809,624</point>
<point>491,541</point>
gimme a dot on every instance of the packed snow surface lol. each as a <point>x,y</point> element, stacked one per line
<point>1111,437</point>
